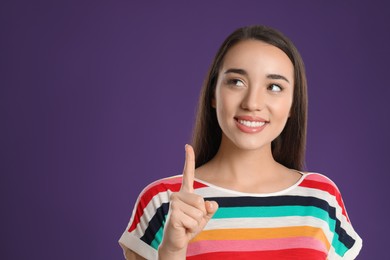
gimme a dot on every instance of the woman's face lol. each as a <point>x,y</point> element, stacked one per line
<point>254,94</point>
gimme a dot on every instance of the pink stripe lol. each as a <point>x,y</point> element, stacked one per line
<point>320,178</point>
<point>210,246</point>
<point>172,180</point>
<point>176,180</point>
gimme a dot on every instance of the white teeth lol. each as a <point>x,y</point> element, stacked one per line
<point>251,123</point>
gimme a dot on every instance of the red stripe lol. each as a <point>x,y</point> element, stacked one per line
<point>331,189</point>
<point>148,195</point>
<point>292,254</point>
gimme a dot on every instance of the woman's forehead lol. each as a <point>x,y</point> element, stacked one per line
<point>255,55</point>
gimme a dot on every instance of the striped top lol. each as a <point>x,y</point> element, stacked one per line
<point>305,221</point>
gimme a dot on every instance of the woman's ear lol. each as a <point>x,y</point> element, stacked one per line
<point>213,102</point>
<point>290,112</point>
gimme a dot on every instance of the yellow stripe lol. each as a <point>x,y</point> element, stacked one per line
<point>263,233</point>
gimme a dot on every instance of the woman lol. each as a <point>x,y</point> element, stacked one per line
<point>242,194</point>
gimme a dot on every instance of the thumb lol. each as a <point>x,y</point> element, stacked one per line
<point>211,208</point>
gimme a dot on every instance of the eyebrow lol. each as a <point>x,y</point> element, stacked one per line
<point>238,71</point>
<point>244,73</point>
<point>277,76</point>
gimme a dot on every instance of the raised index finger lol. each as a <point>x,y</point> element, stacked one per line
<point>189,170</point>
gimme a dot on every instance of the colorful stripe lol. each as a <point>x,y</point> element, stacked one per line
<point>263,233</point>
<point>207,246</point>
<point>306,221</point>
<point>287,254</point>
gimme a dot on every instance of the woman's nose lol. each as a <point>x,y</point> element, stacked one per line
<point>253,100</point>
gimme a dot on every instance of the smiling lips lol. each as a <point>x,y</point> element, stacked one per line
<point>249,124</point>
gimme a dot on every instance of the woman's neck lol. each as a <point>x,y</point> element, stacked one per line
<point>246,170</point>
<point>238,162</point>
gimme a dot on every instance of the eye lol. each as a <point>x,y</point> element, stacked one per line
<point>275,88</point>
<point>236,83</point>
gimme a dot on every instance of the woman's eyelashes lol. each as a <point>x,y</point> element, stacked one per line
<point>275,87</point>
<point>239,83</point>
<point>235,82</point>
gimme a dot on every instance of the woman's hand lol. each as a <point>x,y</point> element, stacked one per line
<point>188,214</point>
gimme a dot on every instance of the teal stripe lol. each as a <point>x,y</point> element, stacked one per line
<point>158,237</point>
<point>284,211</point>
<point>273,211</point>
<point>339,247</point>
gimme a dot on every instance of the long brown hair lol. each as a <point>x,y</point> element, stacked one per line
<point>289,147</point>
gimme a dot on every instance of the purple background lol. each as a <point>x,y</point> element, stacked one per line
<point>98,98</point>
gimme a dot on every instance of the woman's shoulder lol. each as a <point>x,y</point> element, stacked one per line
<point>172,183</point>
<point>319,181</point>
<point>165,186</point>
